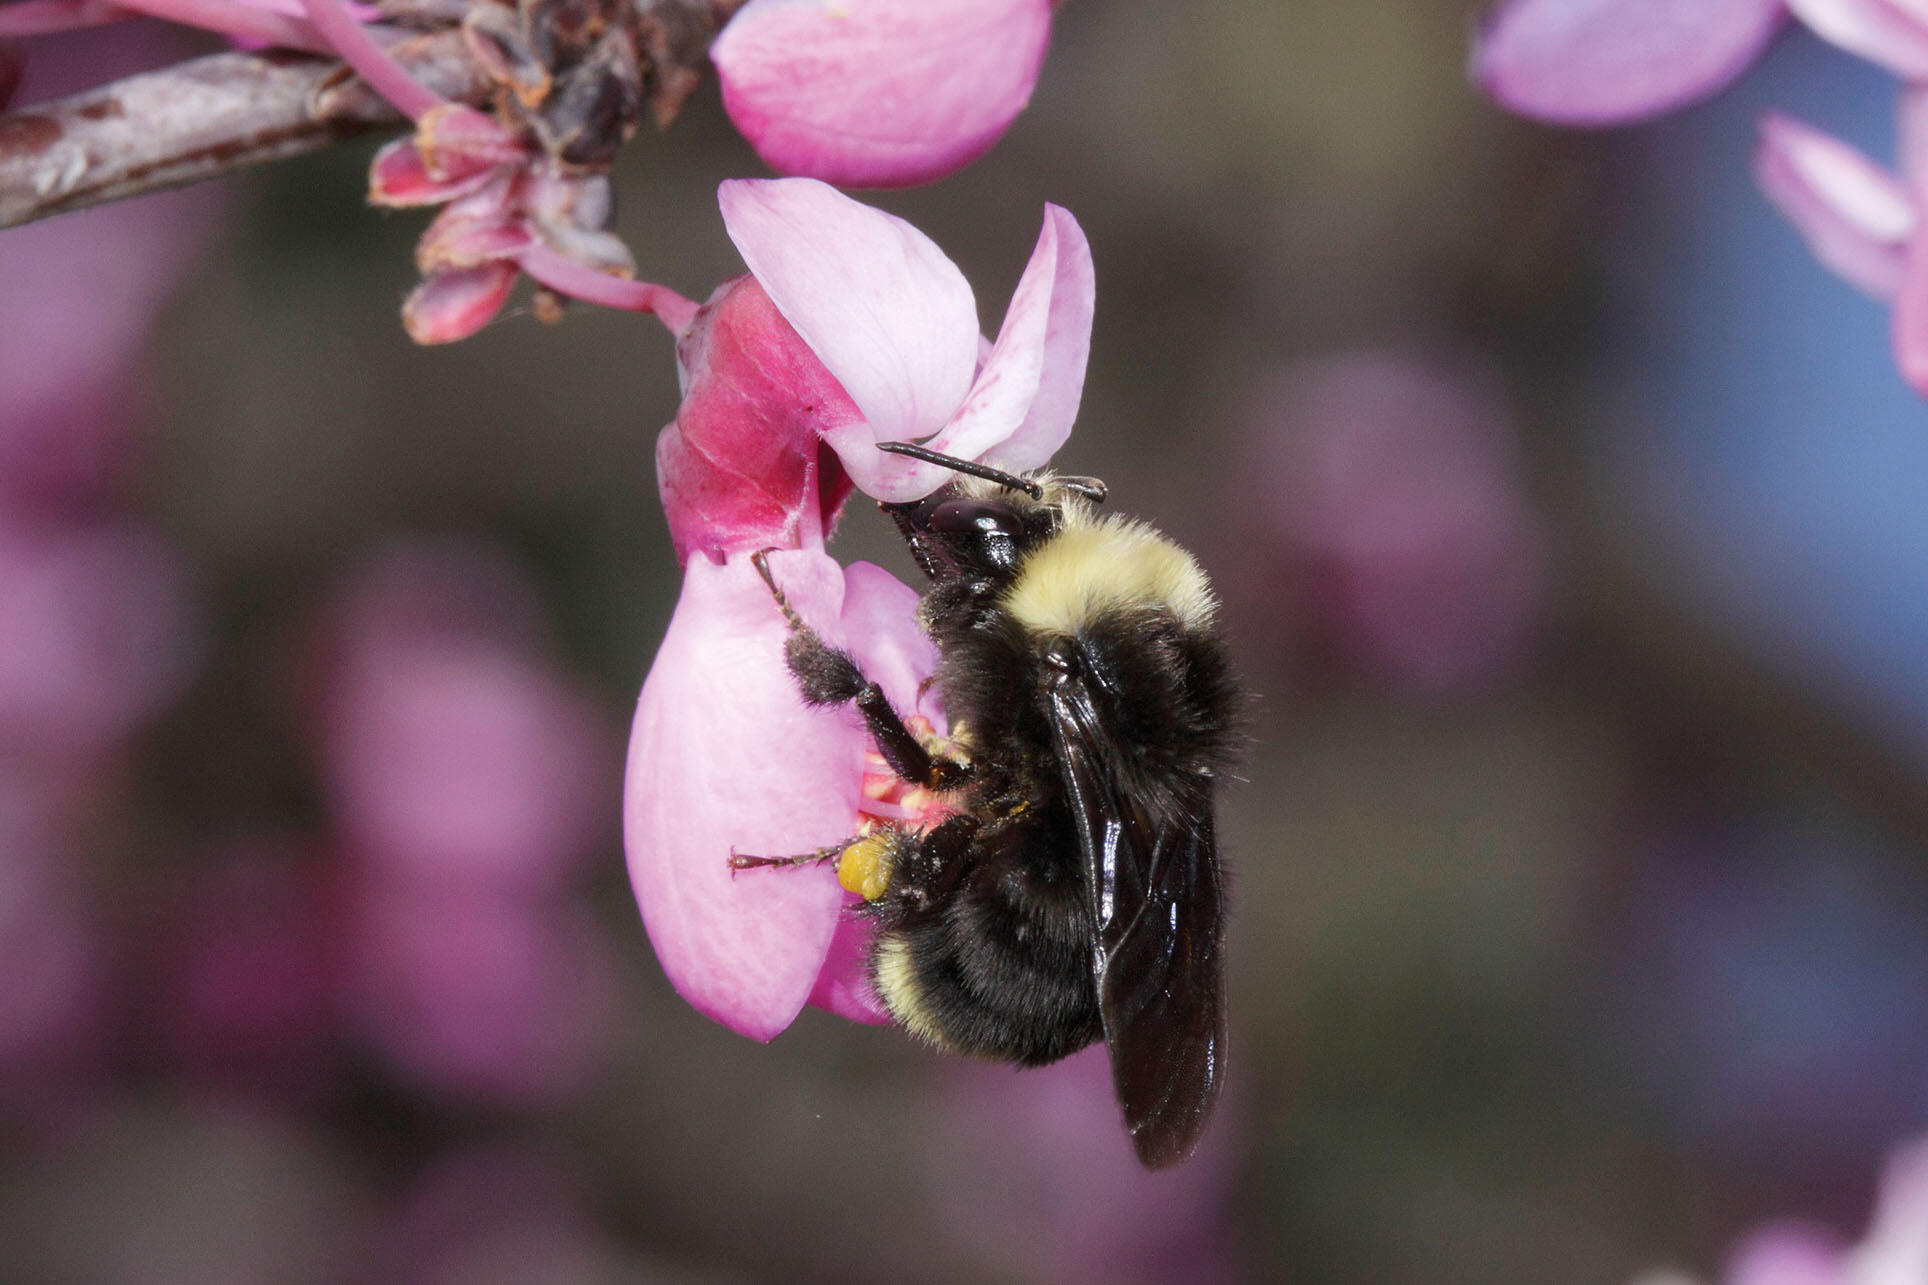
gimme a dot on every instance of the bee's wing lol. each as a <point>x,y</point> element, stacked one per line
<point>1158,912</point>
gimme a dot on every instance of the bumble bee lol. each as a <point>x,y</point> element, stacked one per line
<point>1073,892</point>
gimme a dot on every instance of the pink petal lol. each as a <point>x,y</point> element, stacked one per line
<point>1602,62</point>
<point>738,470</point>
<point>455,304</point>
<point>724,757</point>
<point>457,139</point>
<point>1882,31</point>
<point>879,93</point>
<point>879,626</point>
<point>1855,216</point>
<point>1025,399</point>
<point>1785,1255</point>
<point>1910,322</point>
<point>890,317</point>
<point>399,178</point>
<point>1911,135</point>
<point>1897,1245</point>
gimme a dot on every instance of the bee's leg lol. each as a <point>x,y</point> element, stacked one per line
<point>828,676</point>
<point>822,856</point>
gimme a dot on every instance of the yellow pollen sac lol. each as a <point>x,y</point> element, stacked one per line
<point>864,867</point>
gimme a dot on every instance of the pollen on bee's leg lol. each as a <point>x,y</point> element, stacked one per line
<point>865,865</point>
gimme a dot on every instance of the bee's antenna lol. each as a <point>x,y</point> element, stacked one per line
<point>970,467</point>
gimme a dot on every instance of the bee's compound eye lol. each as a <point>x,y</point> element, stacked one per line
<point>983,517</point>
<point>983,533</point>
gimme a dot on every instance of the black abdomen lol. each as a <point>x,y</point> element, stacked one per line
<point>996,962</point>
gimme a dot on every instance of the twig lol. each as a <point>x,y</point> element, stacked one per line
<point>197,120</point>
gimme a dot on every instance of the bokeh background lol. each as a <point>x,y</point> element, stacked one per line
<point>1572,531</point>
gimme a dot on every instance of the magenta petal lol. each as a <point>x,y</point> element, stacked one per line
<point>879,93</point>
<point>881,306</point>
<point>1025,399</point>
<point>879,627</point>
<point>399,178</point>
<point>1856,217</point>
<point>1884,32</point>
<point>738,470</point>
<point>724,756</point>
<point>843,985</point>
<point>1601,62</point>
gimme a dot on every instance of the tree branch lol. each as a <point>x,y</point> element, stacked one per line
<point>197,120</point>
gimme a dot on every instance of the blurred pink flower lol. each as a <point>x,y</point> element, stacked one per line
<point>247,972</point>
<point>449,749</point>
<point>1603,62</point>
<point>876,93</point>
<point>478,992</point>
<point>1861,221</point>
<point>501,1215</point>
<point>54,1007</point>
<point>462,773</point>
<point>96,633</point>
<point>1392,483</point>
<point>1056,1191</point>
<point>853,329</point>
<point>1894,1252</point>
<point>1608,62</point>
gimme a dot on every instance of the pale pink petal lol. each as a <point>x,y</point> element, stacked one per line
<point>1601,62</point>
<point>1785,1255</point>
<point>1855,216</point>
<point>1911,135</point>
<point>724,757</point>
<point>1025,399</point>
<point>878,92</point>
<point>1910,322</point>
<point>875,299</point>
<point>1884,32</point>
<point>1896,1249</point>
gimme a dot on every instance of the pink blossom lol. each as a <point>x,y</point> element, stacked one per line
<point>877,93</point>
<point>76,296</point>
<point>1602,62</point>
<point>894,322</point>
<point>1894,1251</point>
<point>1056,1191</point>
<point>479,992</point>
<point>54,1007</point>
<point>1605,62</point>
<point>1391,484</point>
<point>449,748</point>
<point>96,633</point>
<point>725,758</point>
<point>1861,221</point>
<point>853,329</point>
<point>246,971</point>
